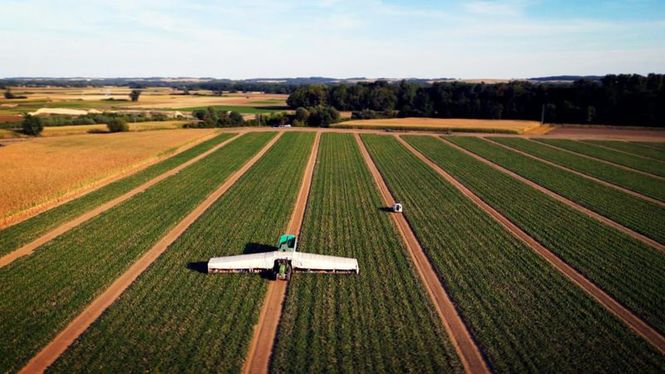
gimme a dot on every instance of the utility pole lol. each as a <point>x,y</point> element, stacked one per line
<point>542,115</point>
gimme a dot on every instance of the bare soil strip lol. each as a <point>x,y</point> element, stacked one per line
<point>42,360</point>
<point>600,181</point>
<point>461,338</point>
<point>32,246</point>
<point>634,322</point>
<point>634,234</point>
<point>265,331</point>
<point>601,160</point>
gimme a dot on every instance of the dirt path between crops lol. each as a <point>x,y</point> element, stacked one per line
<point>63,228</point>
<point>461,338</point>
<point>598,217</point>
<point>600,181</point>
<point>265,330</point>
<point>47,356</point>
<point>627,168</point>
<point>629,318</point>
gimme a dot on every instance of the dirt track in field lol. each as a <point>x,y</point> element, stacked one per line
<point>600,132</point>
<point>42,360</point>
<point>600,181</point>
<point>265,331</point>
<point>460,336</point>
<point>603,161</point>
<point>629,318</point>
<point>63,228</point>
<point>556,196</point>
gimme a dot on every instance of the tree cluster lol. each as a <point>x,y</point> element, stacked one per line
<point>9,95</point>
<point>134,95</point>
<point>318,116</point>
<point>614,99</point>
<point>32,125</point>
<point>210,117</point>
<point>117,125</point>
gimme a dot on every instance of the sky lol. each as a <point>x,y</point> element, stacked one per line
<point>333,38</point>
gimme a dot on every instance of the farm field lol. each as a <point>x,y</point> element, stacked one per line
<point>632,148</point>
<point>628,270</point>
<point>43,171</point>
<point>634,162</point>
<point>23,232</point>
<point>112,98</point>
<point>628,210</point>
<point>218,310</point>
<point>369,322</point>
<point>434,124</point>
<point>83,261</point>
<point>504,291</point>
<point>654,145</point>
<point>639,183</point>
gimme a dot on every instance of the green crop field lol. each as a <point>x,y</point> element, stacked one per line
<point>633,212</point>
<point>653,145</point>
<point>638,163</point>
<point>635,149</point>
<point>42,292</point>
<point>524,315</point>
<point>640,183</point>
<point>627,269</point>
<point>174,315</point>
<point>380,320</point>
<point>14,236</point>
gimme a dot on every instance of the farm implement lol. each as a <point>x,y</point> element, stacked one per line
<point>283,262</point>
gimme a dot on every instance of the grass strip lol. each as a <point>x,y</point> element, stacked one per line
<point>41,293</point>
<point>380,320</point>
<point>210,316</point>
<point>630,211</point>
<point>525,316</point>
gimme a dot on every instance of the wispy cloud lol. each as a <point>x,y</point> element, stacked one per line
<point>227,38</point>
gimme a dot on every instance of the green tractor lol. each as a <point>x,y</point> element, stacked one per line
<point>283,268</point>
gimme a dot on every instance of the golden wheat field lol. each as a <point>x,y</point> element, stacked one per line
<point>411,123</point>
<point>39,173</point>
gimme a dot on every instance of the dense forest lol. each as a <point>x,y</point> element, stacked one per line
<point>612,100</point>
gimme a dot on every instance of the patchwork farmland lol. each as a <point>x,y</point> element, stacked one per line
<point>510,255</point>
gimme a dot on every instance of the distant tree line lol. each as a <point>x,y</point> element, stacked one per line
<point>613,100</point>
<point>91,119</point>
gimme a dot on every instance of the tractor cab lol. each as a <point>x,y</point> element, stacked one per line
<point>283,267</point>
<point>287,243</point>
<point>397,207</point>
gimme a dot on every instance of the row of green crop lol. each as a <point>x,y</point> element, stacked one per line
<point>42,292</point>
<point>660,146</point>
<point>633,212</point>
<point>378,321</point>
<point>175,318</point>
<point>638,163</point>
<point>633,148</point>
<point>627,269</point>
<point>524,315</point>
<point>17,235</point>
<point>640,183</point>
